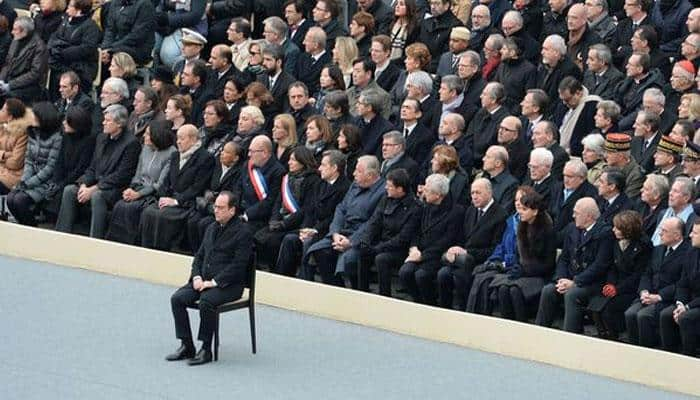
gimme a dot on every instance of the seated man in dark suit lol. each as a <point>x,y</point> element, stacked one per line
<point>484,222</point>
<point>540,176</point>
<point>385,71</point>
<point>419,140</point>
<point>219,274</point>
<point>275,78</point>
<point>581,268</point>
<point>260,183</point>
<point>575,186</point>
<point>110,172</point>
<point>646,139</point>
<point>372,124</point>
<point>385,241</point>
<point>315,226</point>
<point>601,76</point>
<point>657,288</point>
<point>438,229</point>
<point>503,184</point>
<point>611,194</point>
<point>682,318</point>
<point>339,247</point>
<point>194,83</point>
<point>395,157</point>
<point>544,135</point>
<point>483,128</point>
<point>72,95</point>
<point>223,70</point>
<point>313,59</point>
<point>518,151</point>
<point>680,204</point>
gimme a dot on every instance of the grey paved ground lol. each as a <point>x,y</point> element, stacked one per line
<point>74,334</point>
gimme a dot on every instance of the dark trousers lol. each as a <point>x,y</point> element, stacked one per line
<point>21,205</point>
<point>575,302</point>
<point>613,315</point>
<point>686,331</point>
<point>419,282</point>
<point>386,263</point>
<point>326,260</point>
<point>69,212</point>
<point>643,322</point>
<point>455,278</point>
<point>289,255</point>
<point>209,300</point>
<point>512,303</point>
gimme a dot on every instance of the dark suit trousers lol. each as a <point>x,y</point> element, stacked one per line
<point>686,331</point>
<point>385,263</point>
<point>575,302</point>
<point>208,301</point>
<point>457,277</point>
<point>69,212</point>
<point>22,206</point>
<point>419,282</point>
<point>290,253</point>
<point>642,323</point>
<point>326,260</point>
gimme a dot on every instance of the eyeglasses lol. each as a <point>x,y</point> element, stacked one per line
<point>317,8</point>
<point>390,144</point>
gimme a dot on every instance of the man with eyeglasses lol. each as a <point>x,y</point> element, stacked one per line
<point>325,13</point>
<point>239,35</point>
<point>469,70</point>
<point>540,175</point>
<point>395,157</point>
<point>578,120</point>
<point>690,49</point>
<point>574,186</point>
<point>599,20</point>
<point>480,23</point>
<point>518,152</point>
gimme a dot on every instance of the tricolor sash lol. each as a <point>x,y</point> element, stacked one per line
<point>258,181</point>
<point>288,201</point>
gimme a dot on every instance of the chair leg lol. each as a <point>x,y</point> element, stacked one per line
<point>216,339</point>
<point>251,315</point>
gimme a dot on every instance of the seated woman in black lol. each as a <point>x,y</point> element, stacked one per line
<point>522,283</point>
<point>153,167</point>
<point>350,144</point>
<point>631,256</point>
<point>217,128</point>
<point>296,197</point>
<point>77,148</point>
<point>43,149</point>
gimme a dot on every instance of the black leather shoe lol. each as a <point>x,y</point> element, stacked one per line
<point>203,356</point>
<point>182,353</point>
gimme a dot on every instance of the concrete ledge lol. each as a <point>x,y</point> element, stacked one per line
<point>619,361</point>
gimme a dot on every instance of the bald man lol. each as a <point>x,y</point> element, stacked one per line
<point>581,37</point>
<point>223,70</point>
<point>581,268</point>
<point>260,183</point>
<point>518,151</point>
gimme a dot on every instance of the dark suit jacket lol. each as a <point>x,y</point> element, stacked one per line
<point>606,82</point>
<point>586,260</point>
<point>664,272</point>
<point>216,84</point>
<point>584,125</point>
<point>81,100</point>
<point>392,225</point>
<point>650,217</point>
<point>200,97</point>
<point>518,156</point>
<point>503,187</point>
<point>407,163</point>
<point>419,143</point>
<point>371,135</point>
<point>260,210</point>
<point>560,159</point>
<point>483,131</point>
<point>388,77</point>
<point>562,211</point>
<point>549,80</point>
<point>432,109</point>
<point>113,165</point>
<point>300,33</point>
<point>309,71</point>
<point>327,198</point>
<point>644,157</point>
<point>224,254</point>
<point>688,287</point>
<point>545,188</point>
<point>279,92</point>
<point>608,211</point>
<point>481,237</point>
<point>436,231</point>
<point>185,184</point>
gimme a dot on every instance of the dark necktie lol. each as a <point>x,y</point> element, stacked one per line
<point>405,133</point>
<point>669,251</point>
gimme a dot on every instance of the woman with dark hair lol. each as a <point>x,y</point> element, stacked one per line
<point>234,90</point>
<point>350,145</point>
<point>73,46</point>
<point>331,79</point>
<point>337,109</point>
<point>319,136</point>
<point>217,128</point>
<point>631,256</point>
<point>77,148</point>
<point>256,94</point>
<point>404,29</point>
<point>151,171</point>
<point>520,284</point>
<point>15,120</point>
<point>43,148</point>
<point>296,197</point>
<point>284,137</point>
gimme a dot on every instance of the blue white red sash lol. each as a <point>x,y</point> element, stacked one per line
<point>258,181</point>
<point>288,201</point>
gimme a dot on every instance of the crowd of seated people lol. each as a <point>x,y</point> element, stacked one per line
<point>530,160</point>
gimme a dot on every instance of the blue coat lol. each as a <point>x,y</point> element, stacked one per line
<point>506,250</point>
